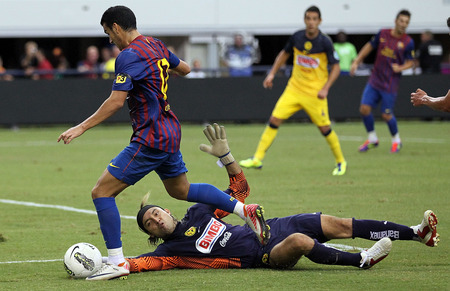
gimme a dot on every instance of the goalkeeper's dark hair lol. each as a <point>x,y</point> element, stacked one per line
<point>121,15</point>
<point>314,9</point>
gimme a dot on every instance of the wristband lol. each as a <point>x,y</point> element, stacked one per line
<point>225,160</point>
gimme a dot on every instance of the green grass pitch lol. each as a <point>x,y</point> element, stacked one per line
<point>296,177</point>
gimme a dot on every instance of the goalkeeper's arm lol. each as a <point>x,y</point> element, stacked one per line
<point>217,137</point>
<point>238,187</point>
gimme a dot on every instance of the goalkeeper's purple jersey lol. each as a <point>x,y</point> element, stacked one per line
<point>389,50</point>
<point>142,70</point>
<point>201,234</point>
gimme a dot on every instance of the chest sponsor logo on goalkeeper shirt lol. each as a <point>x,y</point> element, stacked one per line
<point>307,62</point>
<point>224,240</point>
<point>210,236</point>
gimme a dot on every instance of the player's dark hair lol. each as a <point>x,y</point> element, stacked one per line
<point>121,15</point>
<point>448,22</point>
<point>403,12</point>
<point>314,9</point>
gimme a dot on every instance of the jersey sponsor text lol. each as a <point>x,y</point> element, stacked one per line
<point>213,231</point>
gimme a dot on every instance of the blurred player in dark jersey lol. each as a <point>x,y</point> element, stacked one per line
<point>203,240</point>
<point>306,90</point>
<point>394,53</point>
<point>142,71</point>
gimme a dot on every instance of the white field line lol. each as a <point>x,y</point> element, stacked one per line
<point>67,208</point>
<point>46,143</point>
<point>344,247</point>
<point>32,261</point>
<point>61,207</point>
<point>404,139</point>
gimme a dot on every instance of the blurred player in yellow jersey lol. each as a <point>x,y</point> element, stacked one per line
<point>307,88</point>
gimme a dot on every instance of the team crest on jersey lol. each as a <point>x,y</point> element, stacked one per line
<point>191,231</point>
<point>307,62</point>
<point>210,235</point>
<point>400,45</point>
<point>308,45</point>
<point>265,259</point>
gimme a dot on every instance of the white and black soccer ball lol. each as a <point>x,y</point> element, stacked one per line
<point>82,260</point>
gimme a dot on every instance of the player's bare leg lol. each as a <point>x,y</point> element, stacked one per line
<point>287,253</point>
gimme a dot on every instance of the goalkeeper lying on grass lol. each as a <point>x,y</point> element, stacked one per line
<point>201,240</point>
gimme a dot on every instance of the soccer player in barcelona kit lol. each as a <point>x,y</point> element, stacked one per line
<point>202,240</point>
<point>394,53</point>
<point>307,88</point>
<point>142,70</point>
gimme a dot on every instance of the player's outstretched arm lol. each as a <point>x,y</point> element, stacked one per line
<point>280,60</point>
<point>217,137</point>
<point>363,53</point>
<point>238,187</point>
<point>420,97</point>
<point>114,102</point>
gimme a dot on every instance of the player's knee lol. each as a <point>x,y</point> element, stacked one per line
<point>179,192</point>
<point>325,130</point>
<point>97,193</point>
<point>94,194</point>
<point>299,243</point>
<point>364,110</point>
<point>386,117</point>
<point>275,122</point>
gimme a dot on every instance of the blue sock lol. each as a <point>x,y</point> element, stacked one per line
<point>208,194</point>
<point>369,122</point>
<point>392,124</point>
<point>376,230</point>
<point>109,218</point>
<point>322,254</point>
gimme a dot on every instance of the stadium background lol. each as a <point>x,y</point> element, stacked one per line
<point>197,29</point>
<point>295,178</point>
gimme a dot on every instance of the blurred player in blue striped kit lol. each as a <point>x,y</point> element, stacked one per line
<point>394,54</point>
<point>202,240</point>
<point>142,71</point>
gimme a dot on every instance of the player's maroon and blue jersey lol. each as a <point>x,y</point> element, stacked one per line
<point>142,70</point>
<point>389,50</point>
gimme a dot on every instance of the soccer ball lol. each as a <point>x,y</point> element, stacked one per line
<point>82,260</point>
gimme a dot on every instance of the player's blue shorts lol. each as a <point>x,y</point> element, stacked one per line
<point>280,228</point>
<point>372,97</point>
<point>137,160</point>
